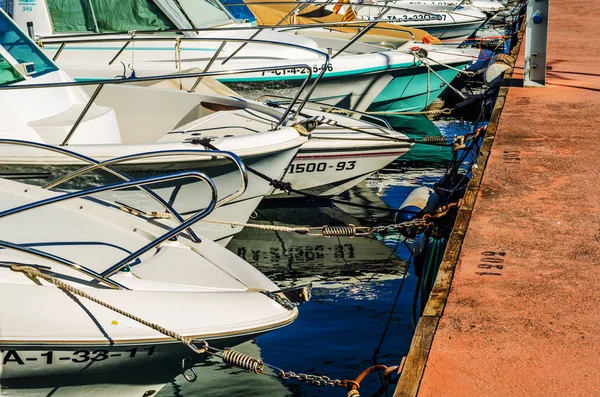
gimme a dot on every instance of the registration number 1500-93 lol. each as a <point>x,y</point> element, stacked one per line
<point>320,167</point>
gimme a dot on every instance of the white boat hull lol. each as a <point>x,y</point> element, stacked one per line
<point>452,28</point>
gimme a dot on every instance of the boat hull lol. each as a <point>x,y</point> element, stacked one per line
<point>187,197</point>
<point>410,93</point>
<point>23,361</point>
<point>329,173</point>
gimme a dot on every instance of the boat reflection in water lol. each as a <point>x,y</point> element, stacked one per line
<point>292,259</point>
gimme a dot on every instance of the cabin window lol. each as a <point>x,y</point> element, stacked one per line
<point>8,74</point>
<point>22,49</point>
<point>106,16</point>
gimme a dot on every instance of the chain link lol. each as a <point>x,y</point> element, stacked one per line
<point>316,380</point>
<point>285,302</point>
<point>397,226</point>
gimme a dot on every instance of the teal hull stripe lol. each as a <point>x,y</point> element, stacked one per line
<point>170,49</point>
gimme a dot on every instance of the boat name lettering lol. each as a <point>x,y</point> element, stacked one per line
<point>284,72</point>
<point>78,356</point>
<point>320,167</point>
<point>412,17</point>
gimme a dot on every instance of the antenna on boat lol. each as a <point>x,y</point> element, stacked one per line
<point>30,30</point>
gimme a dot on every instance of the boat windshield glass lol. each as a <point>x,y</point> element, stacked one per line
<point>8,74</point>
<point>204,12</point>
<point>22,49</point>
<point>105,16</point>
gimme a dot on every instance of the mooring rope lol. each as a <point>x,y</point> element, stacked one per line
<point>228,356</point>
<point>301,230</point>
<point>33,272</point>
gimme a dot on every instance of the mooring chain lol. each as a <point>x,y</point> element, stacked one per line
<point>403,225</point>
<point>285,302</point>
<point>316,380</point>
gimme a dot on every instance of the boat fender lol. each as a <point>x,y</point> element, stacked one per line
<point>494,73</point>
<point>419,202</point>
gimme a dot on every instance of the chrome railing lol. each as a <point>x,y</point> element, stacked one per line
<point>86,38</point>
<point>102,82</point>
<point>103,277</point>
<point>107,166</point>
<point>327,108</point>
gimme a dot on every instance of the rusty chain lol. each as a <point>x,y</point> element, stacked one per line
<point>395,227</point>
<point>316,380</point>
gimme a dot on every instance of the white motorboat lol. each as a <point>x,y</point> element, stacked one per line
<point>343,153</point>
<point>362,76</point>
<point>452,27</point>
<point>150,271</point>
<point>139,120</point>
<point>486,6</point>
<point>336,159</point>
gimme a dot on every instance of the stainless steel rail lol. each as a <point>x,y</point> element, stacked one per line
<point>328,106</point>
<point>103,277</point>
<point>132,38</point>
<point>210,153</point>
<point>102,82</point>
<point>95,164</point>
<point>62,261</point>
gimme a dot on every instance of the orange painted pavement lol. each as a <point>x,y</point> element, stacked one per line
<point>534,330</point>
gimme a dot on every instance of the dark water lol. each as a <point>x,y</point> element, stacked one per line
<point>355,282</point>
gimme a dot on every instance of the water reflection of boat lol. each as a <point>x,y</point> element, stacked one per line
<point>213,376</point>
<point>420,126</point>
<point>123,384</point>
<point>292,259</point>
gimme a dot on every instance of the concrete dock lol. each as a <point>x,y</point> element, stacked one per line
<point>514,311</point>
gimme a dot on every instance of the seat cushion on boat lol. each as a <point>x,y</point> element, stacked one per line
<point>99,126</point>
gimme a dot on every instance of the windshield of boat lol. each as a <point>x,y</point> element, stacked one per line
<point>203,13</point>
<point>107,16</point>
<point>22,48</point>
<point>8,74</point>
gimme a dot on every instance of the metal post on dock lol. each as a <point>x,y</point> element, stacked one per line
<point>536,43</point>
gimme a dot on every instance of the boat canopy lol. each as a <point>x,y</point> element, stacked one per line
<point>105,16</point>
<point>273,12</point>
<point>22,49</point>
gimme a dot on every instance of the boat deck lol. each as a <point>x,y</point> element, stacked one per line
<point>515,308</point>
